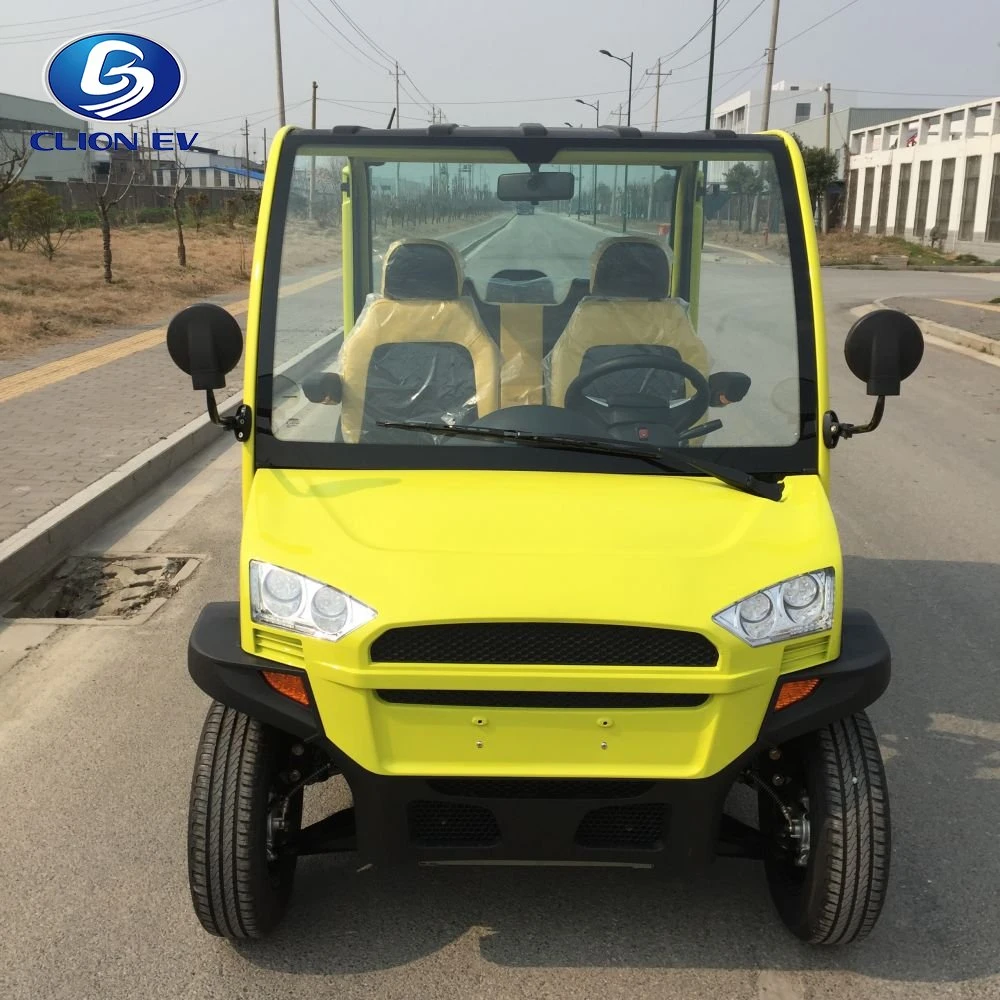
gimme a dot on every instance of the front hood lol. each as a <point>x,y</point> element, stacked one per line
<point>423,546</point>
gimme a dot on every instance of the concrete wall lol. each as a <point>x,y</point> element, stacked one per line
<point>953,133</point>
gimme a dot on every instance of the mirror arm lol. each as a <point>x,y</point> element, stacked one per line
<point>834,430</point>
<point>240,423</point>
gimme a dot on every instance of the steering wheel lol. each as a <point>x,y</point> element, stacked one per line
<point>635,410</point>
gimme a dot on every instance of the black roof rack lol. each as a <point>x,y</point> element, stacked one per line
<point>528,130</point>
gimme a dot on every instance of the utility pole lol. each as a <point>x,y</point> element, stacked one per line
<point>246,140</point>
<point>265,149</point>
<point>711,65</point>
<point>312,160</point>
<point>398,125</point>
<point>770,66</point>
<point>281,78</point>
<point>826,194</point>
<point>656,126</point>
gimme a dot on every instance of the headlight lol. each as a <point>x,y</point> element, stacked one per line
<point>297,603</point>
<point>799,606</point>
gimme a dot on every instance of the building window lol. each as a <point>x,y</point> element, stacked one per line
<point>852,197</point>
<point>232,180</point>
<point>173,177</point>
<point>945,193</point>
<point>159,177</point>
<point>902,199</point>
<point>923,199</point>
<point>993,215</point>
<point>187,176</point>
<point>218,178</point>
<point>969,195</point>
<point>883,201</point>
<point>803,112</point>
<point>741,114</point>
<point>866,202</point>
<point>203,176</point>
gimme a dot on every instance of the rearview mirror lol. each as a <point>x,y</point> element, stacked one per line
<point>883,348</point>
<point>536,186</point>
<point>206,343</point>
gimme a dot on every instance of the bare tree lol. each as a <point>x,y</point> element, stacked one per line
<point>14,156</point>
<point>105,201</point>
<point>176,201</point>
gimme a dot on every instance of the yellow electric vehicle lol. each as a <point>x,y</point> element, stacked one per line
<point>537,550</point>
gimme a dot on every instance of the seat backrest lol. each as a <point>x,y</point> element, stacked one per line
<point>628,312</point>
<point>419,350</point>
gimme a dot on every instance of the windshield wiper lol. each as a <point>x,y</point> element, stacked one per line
<point>664,458</point>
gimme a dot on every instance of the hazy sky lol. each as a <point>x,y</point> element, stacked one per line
<point>513,61</point>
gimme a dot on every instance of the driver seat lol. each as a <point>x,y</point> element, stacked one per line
<point>628,312</point>
<point>418,351</point>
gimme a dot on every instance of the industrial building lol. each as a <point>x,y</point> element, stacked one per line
<point>935,174</point>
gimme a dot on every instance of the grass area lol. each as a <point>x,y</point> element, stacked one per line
<point>67,297</point>
<point>846,248</point>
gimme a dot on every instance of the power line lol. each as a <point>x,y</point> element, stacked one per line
<point>361,31</point>
<point>188,7</point>
<point>718,45</point>
<point>79,17</point>
<point>805,31</point>
<point>357,48</point>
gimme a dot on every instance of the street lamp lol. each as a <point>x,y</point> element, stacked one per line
<point>579,194</point>
<point>628,62</point>
<point>597,122</point>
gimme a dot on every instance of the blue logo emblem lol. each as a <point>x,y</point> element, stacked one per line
<point>114,77</point>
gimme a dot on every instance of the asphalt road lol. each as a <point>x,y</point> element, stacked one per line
<point>98,728</point>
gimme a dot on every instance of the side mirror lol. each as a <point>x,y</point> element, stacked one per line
<point>323,387</point>
<point>206,342</point>
<point>882,349</point>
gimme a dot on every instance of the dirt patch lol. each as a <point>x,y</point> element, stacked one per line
<point>67,297</point>
<point>102,587</point>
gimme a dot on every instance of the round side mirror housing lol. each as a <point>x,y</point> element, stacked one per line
<point>884,348</point>
<point>323,387</point>
<point>205,342</point>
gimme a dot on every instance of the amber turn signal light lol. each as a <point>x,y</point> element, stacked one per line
<point>290,685</point>
<point>794,691</point>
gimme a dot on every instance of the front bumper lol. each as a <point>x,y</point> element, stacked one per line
<point>482,819</point>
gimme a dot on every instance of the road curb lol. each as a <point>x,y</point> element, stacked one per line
<point>983,348</point>
<point>38,548</point>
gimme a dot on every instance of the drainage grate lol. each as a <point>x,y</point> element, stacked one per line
<point>104,588</point>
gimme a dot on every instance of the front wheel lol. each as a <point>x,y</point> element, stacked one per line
<point>824,813</point>
<point>242,825</point>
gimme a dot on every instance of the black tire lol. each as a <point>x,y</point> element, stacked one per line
<point>838,896</point>
<point>237,891</point>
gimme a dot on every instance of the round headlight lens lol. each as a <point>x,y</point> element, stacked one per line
<point>329,609</point>
<point>281,593</point>
<point>755,615</point>
<point>800,593</point>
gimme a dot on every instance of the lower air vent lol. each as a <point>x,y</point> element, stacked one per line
<point>639,827</point>
<point>451,824</point>
<point>806,653</point>
<point>540,699</point>
<point>540,788</point>
<point>276,646</point>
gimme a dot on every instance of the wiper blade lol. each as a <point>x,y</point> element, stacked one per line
<point>664,458</point>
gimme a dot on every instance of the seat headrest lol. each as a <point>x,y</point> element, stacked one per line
<point>421,269</point>
<point>630,267</point>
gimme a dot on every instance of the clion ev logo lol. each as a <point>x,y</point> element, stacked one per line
<point>114,77</point>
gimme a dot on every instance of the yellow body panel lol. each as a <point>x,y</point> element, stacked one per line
<point>641,550</point>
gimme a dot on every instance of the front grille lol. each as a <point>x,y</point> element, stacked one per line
<point>562,644</point>
<point>540,788</point>
<point>540,699</point>
<point>451,824</point>
<point>639,827</point>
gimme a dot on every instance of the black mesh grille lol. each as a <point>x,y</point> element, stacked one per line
<point>540,699</point>
<point>544,643</point>
<point>540,788</point>
<point>639,826</point>
<point>451,824</point>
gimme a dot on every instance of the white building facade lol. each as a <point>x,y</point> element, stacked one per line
<point>934,173</point>
<point>791,103</point>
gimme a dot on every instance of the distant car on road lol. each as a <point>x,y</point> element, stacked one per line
<point>525,208</point>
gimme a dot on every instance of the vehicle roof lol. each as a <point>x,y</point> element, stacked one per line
<point>529,130</point>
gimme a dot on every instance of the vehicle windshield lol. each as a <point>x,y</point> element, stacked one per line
<point>634,301</point>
